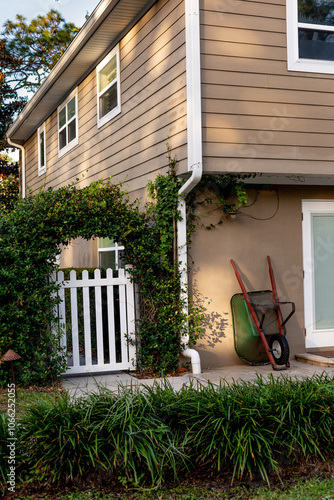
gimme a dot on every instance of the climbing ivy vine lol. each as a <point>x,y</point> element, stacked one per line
<point>30,239</point>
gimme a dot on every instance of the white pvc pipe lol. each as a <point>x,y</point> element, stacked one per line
<point>194,141</point>
<point>23,165</point>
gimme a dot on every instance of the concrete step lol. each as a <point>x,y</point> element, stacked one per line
<point>314,359</point>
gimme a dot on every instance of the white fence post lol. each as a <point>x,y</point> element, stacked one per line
<point>130,300</point>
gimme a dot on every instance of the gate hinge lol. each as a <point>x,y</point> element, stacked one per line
<point>304,332</point>
<point>302,216</point>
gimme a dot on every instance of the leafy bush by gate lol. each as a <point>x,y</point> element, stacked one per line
<point>29,243</point>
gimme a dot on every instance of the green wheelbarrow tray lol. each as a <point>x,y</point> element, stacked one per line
<point>247,341</point>
<point>257,316</point>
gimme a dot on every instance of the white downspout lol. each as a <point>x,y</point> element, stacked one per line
<point>195,162</point>
<point>23,165</point>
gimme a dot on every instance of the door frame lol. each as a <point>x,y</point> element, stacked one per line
<point>313,337</point>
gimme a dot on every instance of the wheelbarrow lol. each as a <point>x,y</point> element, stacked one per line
<point>258,325</point>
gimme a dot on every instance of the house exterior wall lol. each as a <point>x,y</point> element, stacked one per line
<point>80,253</point>
<point>132,146</point>
<point>271,225</point>
<point>257,115</point>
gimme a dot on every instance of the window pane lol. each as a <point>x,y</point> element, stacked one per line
<point>41,149</point>
<point>108,100</point>
<point>106,242</point>
<point>121,259</point>
<point>62,117</point>
<point>107,260</point>
<point>71,109</point>
<point>323,239</point>
<point>107,74</point>
<point>315,44</point>
<point>62,138</point>
<point>316,12</point>
<point>72,130</point>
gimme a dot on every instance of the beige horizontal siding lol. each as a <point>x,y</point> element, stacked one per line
<point>132,146</point>
<point>264,124</point>
<point>258,116</point>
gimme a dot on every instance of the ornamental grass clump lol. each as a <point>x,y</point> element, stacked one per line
<point>139,444</point>
<point>58,440</point>
<point>228,428</point>
<point>147,435</point>
<point>101,435</point>
<point>258,427</point>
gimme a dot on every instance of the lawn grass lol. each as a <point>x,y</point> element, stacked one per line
<point>313,489</point>
<point>26,398</point>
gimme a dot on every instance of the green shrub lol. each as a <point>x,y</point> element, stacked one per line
<point>30,239</point>
<point>147,435</point>
<point>258,426</point>
<point>108,434</point>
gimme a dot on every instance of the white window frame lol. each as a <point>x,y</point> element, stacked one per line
<point>115,111</point>
<point>294,62</point>
<point>116,248</point>
<point>313,337</point>
<point>41,168</point>
<point>74,141</point>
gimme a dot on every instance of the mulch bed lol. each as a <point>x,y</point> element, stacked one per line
<point>302,471</point>
<point>149,373</point>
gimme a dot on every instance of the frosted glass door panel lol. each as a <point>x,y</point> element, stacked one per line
<point>323,269</point>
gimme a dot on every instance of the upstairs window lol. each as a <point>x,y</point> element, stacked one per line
<point>108,88</point>
<point>68,124</point>
<point>310,35</point>
<point>41,150</point>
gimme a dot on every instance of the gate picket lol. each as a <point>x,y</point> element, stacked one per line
<point>86,317</point>
<point>111,319</point>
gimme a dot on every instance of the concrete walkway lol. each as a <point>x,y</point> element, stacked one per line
<point>79,386</point>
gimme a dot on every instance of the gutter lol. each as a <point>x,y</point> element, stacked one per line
<point>195,157</point>
<point>23,165</point>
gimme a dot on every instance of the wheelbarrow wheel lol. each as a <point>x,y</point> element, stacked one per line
<point>280,348</point>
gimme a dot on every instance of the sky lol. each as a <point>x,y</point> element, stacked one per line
<point>72,10</point>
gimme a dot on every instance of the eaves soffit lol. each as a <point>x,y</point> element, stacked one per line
<point>109,22</point>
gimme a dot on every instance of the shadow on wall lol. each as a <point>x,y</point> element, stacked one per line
<point>213,324</point>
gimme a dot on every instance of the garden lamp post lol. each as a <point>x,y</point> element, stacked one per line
<point>11,356</point>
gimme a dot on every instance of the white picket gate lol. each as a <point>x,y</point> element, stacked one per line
<point>99,344</point>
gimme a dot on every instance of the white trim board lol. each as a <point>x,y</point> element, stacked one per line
<point>315,337</point>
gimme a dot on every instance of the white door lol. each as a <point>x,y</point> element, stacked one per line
<point>318,255</point>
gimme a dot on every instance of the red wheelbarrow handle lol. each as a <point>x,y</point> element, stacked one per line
<point>254,316</point>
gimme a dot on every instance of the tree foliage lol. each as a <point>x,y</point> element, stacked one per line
<point>10,102</point>
<point>28,52</point>
<point>35,47</point>
<point>9,183</point>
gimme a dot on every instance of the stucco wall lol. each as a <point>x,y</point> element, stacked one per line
<point>248,239</point>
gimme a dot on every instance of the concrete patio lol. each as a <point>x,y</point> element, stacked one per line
<point>79,386</point>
